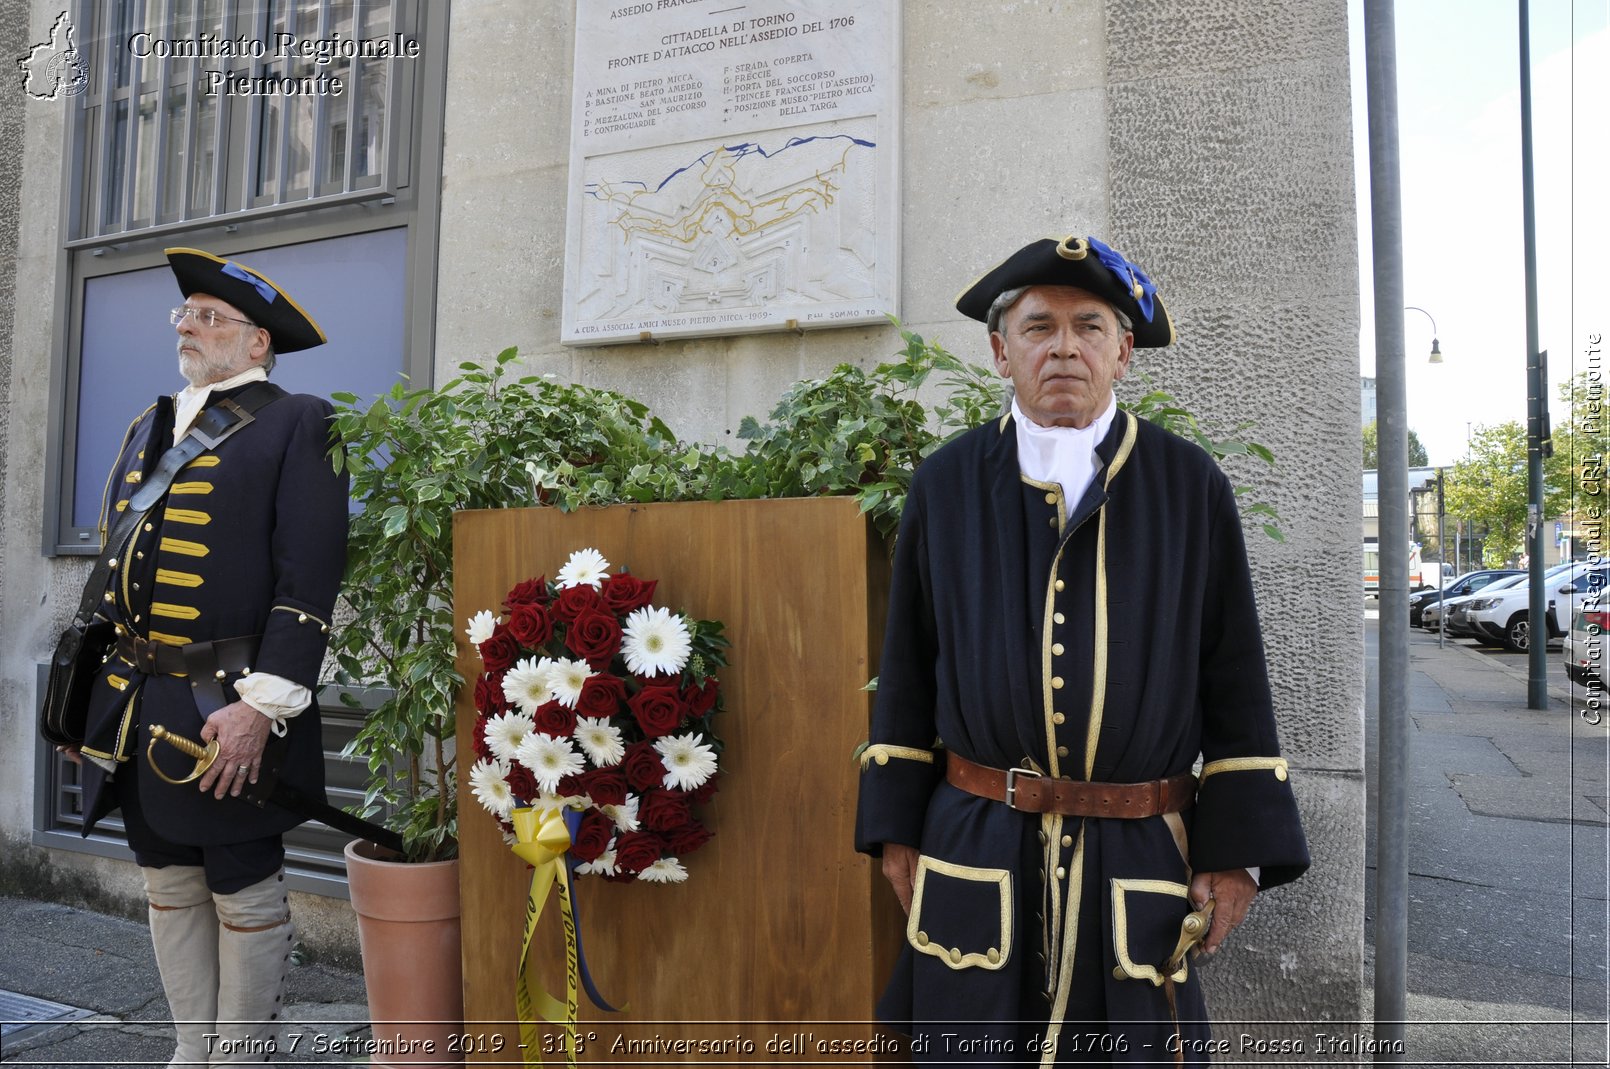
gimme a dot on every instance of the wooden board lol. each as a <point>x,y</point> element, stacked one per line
<point>781,927</point>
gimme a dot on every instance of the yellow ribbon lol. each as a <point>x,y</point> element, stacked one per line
<point>541,842</point>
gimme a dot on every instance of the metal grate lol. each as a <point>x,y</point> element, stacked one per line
<point>21,1014</point>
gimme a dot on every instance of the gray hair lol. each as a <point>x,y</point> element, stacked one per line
<point>1007,298</point>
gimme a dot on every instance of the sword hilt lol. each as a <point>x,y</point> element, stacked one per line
<point>1193,929</point>
<point>204,755</point>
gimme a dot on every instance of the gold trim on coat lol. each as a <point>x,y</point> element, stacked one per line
<point>954,957</point>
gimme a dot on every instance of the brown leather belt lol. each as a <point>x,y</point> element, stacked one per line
<point>1030,792</point>
<point>198,659</point>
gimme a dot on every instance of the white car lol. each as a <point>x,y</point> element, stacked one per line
<point>1584,645</point>
<point>1457,608</point>
<point>1503,617</point>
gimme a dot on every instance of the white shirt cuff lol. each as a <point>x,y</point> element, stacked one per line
<point>275,697</point>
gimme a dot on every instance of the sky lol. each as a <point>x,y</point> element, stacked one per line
<point>1458,65</point>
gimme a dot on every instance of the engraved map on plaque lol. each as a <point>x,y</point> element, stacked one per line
<point>733,168</point>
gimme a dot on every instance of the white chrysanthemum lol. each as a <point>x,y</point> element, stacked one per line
<point>565,680</point>
<point>586,567</point>
<point>665,870</point>
<point>602,865</point>
<point>482,624</point>
<point>527,683</point>
<point>600,741</point>
<point>490,782</point>
<point>505,732</point>
<point>624,816</point>
<point>688,762</point>
<point>655,641</point>
<point>509,838</point>
<point>550,760</point>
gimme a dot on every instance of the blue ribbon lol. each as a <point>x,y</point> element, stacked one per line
<point>1128,275</point>
<point>264,289</point>
<point>573,822</point>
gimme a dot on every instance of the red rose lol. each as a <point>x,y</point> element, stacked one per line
<point>688,838</point>
<point>530,624</point>
<point>702,699</point>
<point>643,767</point>
<point>532,591</point>
<point>605,786</point>
<point>489,699</point>
<point>575,600</point>
<point>623,593</point>
<point>594,637</point>
<point>658,710</point>
<point>500,651</point>
<point>482,750</point>
<point>664,810</point>
<point>601,696</point>
<point>706,790</point>
<point>522,783</point>
<point>636,851</point>
<point>592,836</point>
<point>552,718</point>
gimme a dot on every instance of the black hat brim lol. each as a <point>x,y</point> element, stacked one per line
<point>258,297</point>
<point>1067,262</point>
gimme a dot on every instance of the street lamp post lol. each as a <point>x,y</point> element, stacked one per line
<point>1436,349</point>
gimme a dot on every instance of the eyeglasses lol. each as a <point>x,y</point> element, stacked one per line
<point>205,316</point>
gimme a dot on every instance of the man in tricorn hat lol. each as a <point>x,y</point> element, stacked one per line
<point>1071,628</point>
<point>221,597</point>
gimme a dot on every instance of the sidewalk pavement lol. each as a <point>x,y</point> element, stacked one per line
<point>100,970</point>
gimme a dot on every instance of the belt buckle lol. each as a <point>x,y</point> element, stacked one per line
<point>1011,785</point>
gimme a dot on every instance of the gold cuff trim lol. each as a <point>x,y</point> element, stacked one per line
<point>200,519</point>
<point>1127,968</point>
<point>174,612</point>
<point>183,548</point>
<point>954,957</point>
<point>173,578</point>
<point>882,752</point>
<point>302,617</point>
<point>1246,764</point>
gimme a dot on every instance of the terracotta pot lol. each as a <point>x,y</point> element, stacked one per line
<point>412,964</point>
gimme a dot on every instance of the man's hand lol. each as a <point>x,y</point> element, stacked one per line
<point>1232,896</point>
<point>71,753</point>
<point>241,732</point>
<point>900,868</point>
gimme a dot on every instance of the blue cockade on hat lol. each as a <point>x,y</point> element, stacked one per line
<point>264,289</point>
<point>1132,277</point>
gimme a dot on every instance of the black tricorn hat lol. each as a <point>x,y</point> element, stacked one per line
<point>258,298</point>
<point>1087,264</point>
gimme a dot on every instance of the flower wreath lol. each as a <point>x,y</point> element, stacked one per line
<point>595,700</point>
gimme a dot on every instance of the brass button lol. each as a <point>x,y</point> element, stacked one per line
<point>136,617</point>
<point>993,955</point>
<point>301,617</point>
<point>1118,973</point>
<point>1051,498</point>
<point>1062,751</point>
<point>220,674</point>
<point>922,939</point>
<point>955,955</point>
<point>112,563</point>
<point>1056,649</point>
<point>1056,682</point>
<point>1280,773</point>
<point>1062,873</point>
<point>1042,835</point>
<point>139,554</point>
<point>1058,719</point>
<point>1067,840</point>
<point>1058,618</point>
<point>1059,585</point>
<point>108,596</point>
<point>136,586</point>
<point>1053,521</point>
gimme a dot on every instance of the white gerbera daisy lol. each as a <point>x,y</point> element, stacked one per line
<point>565,680</point>
<point>688,762</point>
<point>665,870</point>
<point>526,684</point>
<point>550,760</point>
<point>625,815</point>
<point>600,741</point>
<point>490,782</point>
<point>602,865</point>
<point>655,641</point>
<point>505,732</point>
<point>586,567</point>
<point>482,624</point>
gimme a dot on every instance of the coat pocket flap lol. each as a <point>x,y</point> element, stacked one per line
<point>1146,916</point>
<point>961,915</point>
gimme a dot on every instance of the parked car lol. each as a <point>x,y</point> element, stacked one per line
<point>1468,583</point>
<point>1503,618</point>
<point>1458,608</point>
<point>1584,645</point>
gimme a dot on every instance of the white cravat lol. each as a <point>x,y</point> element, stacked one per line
<point>188,402</point>
<point>1065,455</point>
<point>274,696</point>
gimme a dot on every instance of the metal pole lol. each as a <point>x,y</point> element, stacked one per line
<point>1442,578</point>
<point>1537,615</point>
<point>1392,442</point>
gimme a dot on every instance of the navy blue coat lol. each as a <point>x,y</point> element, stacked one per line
<point>249,540</point>
<point>1114,641</point>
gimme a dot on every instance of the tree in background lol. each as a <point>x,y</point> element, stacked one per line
<point>1417,452</point>
<point>1487,488</point>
